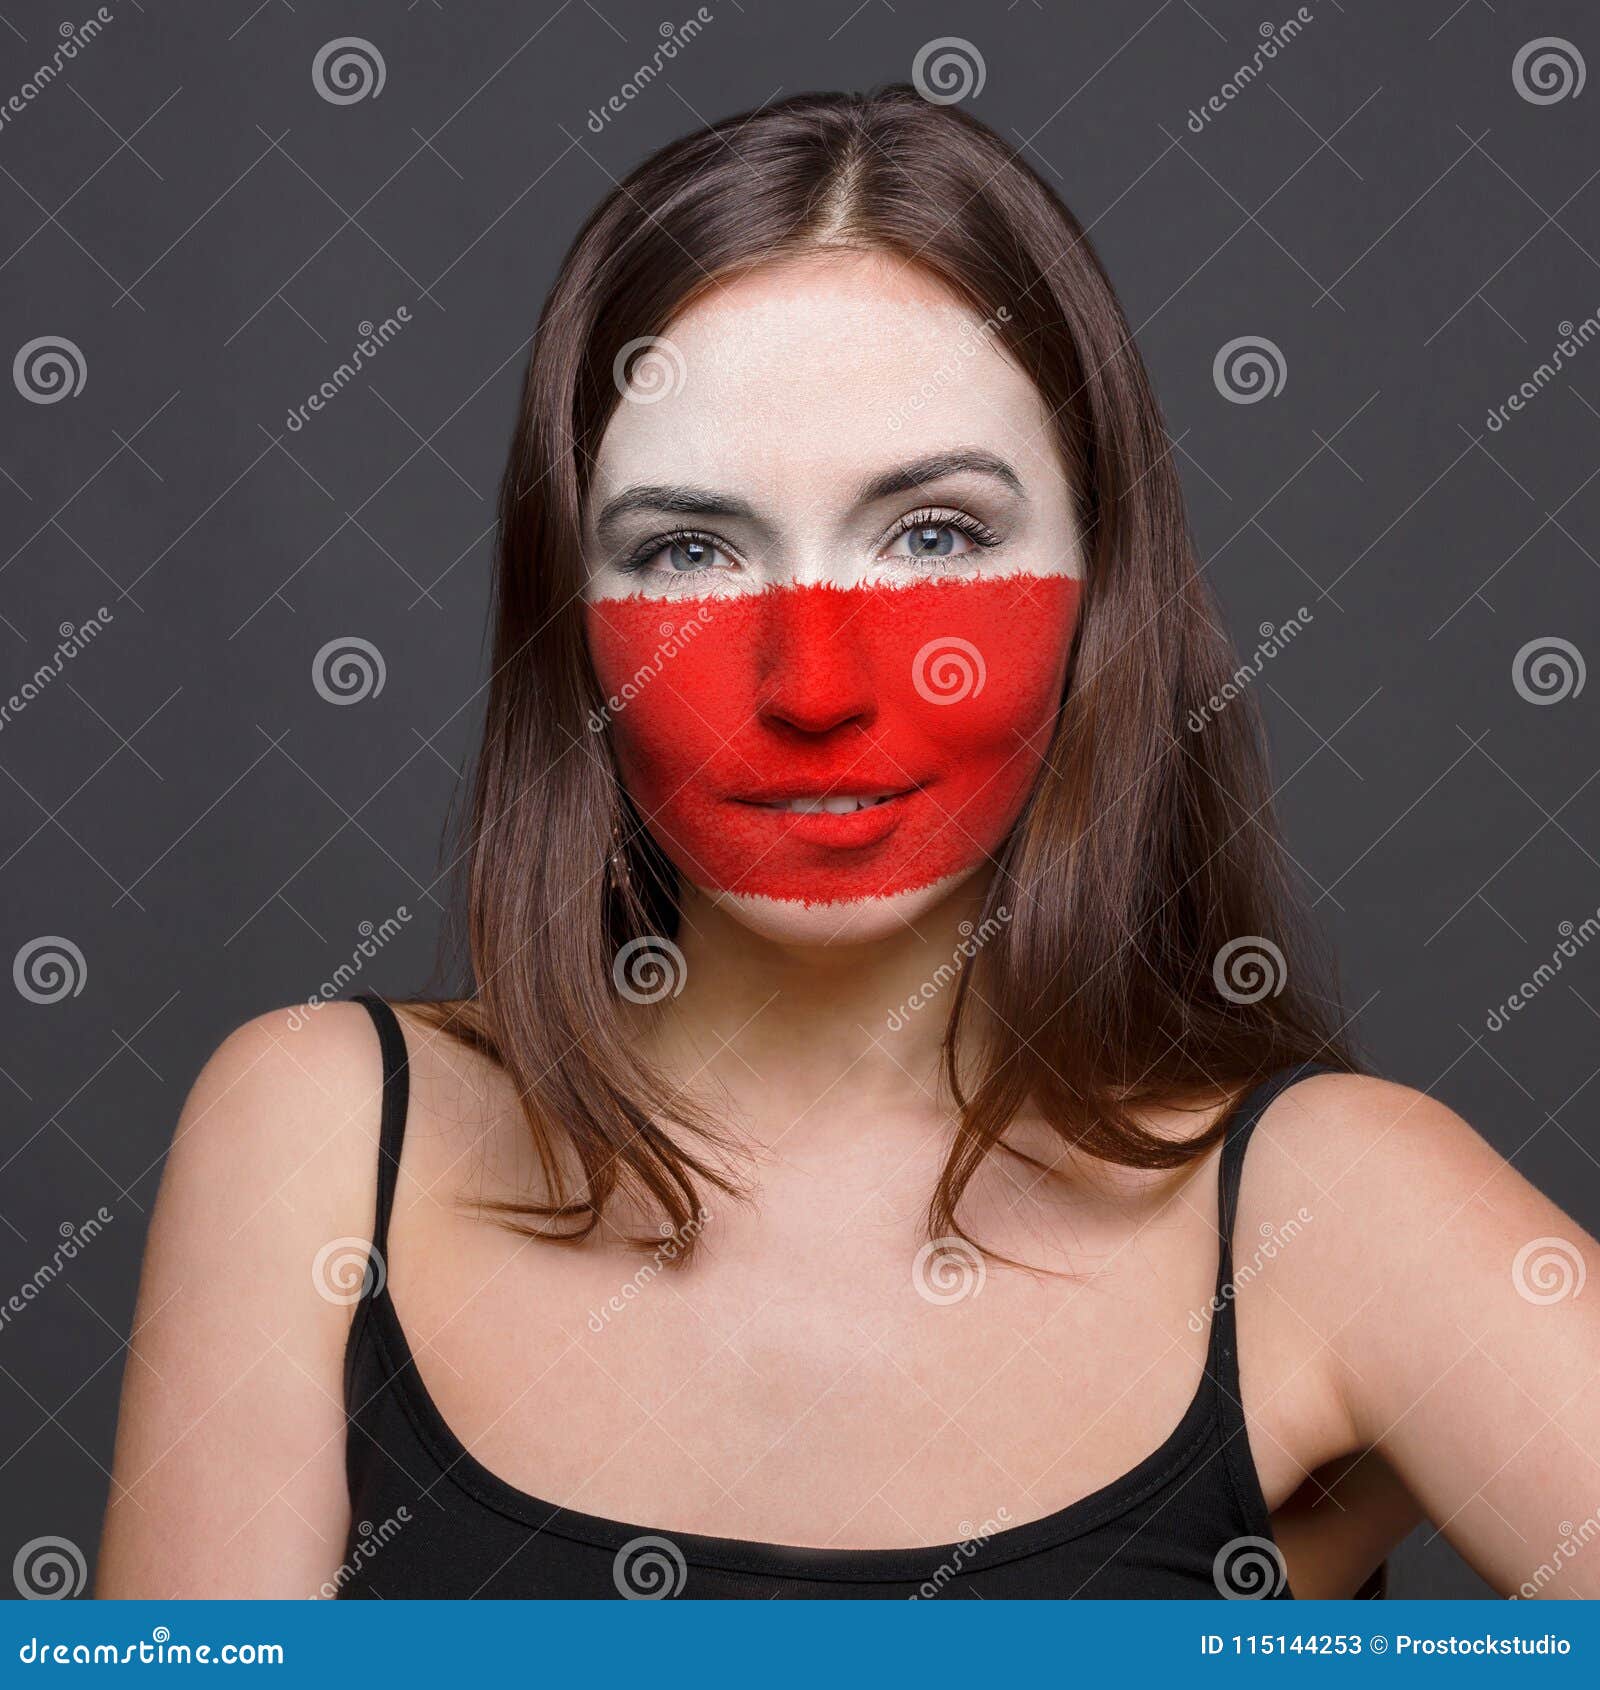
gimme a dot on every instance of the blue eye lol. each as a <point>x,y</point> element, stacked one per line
<point>682,556</point>
<point>932,536</point>
<point>677,555</point>
<point>936,540</point>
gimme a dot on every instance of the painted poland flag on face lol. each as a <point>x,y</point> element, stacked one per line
<point>750,727</point>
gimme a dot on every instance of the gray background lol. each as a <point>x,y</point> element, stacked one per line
<point>184,807</point>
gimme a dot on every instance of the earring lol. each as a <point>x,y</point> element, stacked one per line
<point>620,874</point>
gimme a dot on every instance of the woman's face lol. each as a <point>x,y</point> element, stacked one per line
<point>834,571</point>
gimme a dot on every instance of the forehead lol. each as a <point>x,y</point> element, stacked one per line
<point>808,375</point>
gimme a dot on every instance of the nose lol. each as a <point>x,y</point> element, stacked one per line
<point>815,670</point>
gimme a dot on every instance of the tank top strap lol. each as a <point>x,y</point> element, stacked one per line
<point>392,1123</point>
<point>1236,1140</point>
<point>1223,1361</point>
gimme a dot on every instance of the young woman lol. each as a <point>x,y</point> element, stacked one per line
<point>836,1182</point>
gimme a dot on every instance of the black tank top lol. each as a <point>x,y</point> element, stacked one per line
<point>428,1520</point>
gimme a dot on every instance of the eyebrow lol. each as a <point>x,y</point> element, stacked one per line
<point>671,501</point>
<point>678,500</point>
<point>907,477</point>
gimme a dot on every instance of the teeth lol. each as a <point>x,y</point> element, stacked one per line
<point>830,806</point>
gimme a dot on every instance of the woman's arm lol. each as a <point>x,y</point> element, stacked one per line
<point>1451,1296</point>
<point>1337,1528</point>
<point>229,1468</point>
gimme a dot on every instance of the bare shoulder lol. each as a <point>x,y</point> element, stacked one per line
<point>286,1110</point>
<point>274,1157</point>
<point>1440,1298</point>
<point>256,1251</point>
<point>1410,1221</point>
<point>1362,1153</point>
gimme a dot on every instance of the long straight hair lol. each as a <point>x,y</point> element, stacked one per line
<point>1160,960</point>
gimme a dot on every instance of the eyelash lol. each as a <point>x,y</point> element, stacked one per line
<point>978,532</point>
<point>652,548</point>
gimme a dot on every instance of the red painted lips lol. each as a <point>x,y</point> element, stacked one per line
<point>741,722</point>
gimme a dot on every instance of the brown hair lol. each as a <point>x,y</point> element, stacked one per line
<point>1146,849</point>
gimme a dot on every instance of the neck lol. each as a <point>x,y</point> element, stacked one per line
<point>858,1022</point>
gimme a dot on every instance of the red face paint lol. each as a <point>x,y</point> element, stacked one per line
<point>943,694</point>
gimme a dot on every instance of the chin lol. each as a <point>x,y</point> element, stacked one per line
<point>856,921</point>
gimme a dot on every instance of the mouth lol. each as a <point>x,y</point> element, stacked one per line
<point>827,804</point>
<point>835,821</point>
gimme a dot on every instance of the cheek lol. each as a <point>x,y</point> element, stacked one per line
<point>949,690</point>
